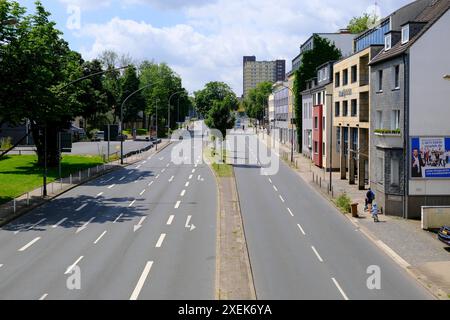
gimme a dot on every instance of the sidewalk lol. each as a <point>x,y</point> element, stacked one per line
<point>418,251</point>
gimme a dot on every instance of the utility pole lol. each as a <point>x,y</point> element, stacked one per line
<point>330,143</point>
<point>45,162</point>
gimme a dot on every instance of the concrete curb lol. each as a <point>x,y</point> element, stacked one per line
<point>50,199</point>
<point>437,292</point>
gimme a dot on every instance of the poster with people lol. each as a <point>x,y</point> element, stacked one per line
<point>430,158</point>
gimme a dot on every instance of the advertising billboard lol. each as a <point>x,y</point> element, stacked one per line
<point>430,157</point>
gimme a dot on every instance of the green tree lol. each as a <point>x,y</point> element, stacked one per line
<point>35,66</point>
<point>214,91</point>
<point>257,100</point>
<point>130,84</point>
<point>362,23</point>
<point>323,51</point>
<point>220,116</point>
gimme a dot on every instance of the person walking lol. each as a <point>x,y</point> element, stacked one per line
<point>370,197</point>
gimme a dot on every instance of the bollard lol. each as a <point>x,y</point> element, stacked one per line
<point>14,205</point>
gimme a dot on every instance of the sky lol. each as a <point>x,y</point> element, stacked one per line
<point>202,40</point>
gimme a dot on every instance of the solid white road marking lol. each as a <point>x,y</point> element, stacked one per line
<point>290,212</point>
<point>85,225</point>
<point>393,254</point>
<point>301,229</point>
<point>100,238</point>
<point>281,198</point>
<point>118,218</point>
<point>171,178</point>
<point>82,207</point>
<point>25,247</point>
<point>339,288</point>
<point>317,254</point>
<point>169,222</point>
<point>183,193</point>
<point>59,223</point>
<point>70,268</point>
<point>160,240</point>
<point>44,296</point>
<point>142,192</point>
<point>132,203</point>
<point>140,284</point>
<point>177,205</point>
<point>111,186</point>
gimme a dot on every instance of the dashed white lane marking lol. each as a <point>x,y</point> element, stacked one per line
<point>160,240</point>
<point>70,268</point>
<point>157,177</point>
<point>301,229</point>
<point>138,166</point>
<point>275,188</point>
<point>168,165</point>
<point>270,180</point>
<point>150,184</point>
<point>84,226</point>
<point>193,170</point>
<point>144,162</point>
<point>110,179</point>
<point>163,170</point>
<point>111,186</point>
<point>183,193</point>
<point>199,177</point>
<point>290,212</point>
<point>122,178</point>
<point>59,223</point>
<point>142,192</point>
<point>140,284</point>
<point>99,195</point>
<point>317,254</point>
<point>282,199</point>
<point>169,222</point>
<point>190,177</point>
<point>171,178</point>
<point>82,207</point>
<point>33,226</point>
<point>340,289</point>
<point>177,205</point>
<point>118,218</point>
<point>187,184</point>
<point>132,203</point>
<point>161,159</point>
<point>131,172</point>
<point>100,238</point>
<point>29,244</point>
<point>1,265</point>
<point>44,296</point>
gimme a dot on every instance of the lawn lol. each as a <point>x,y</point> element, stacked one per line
<point>221,169</point>
<point>20,174</point>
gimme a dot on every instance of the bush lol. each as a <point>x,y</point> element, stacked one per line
<point>5,143</point>
<point>344,203</point>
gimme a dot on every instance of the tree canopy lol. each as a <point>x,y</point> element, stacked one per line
<point>214,91</point>
<point>362,23</point>
<point>257,99</point>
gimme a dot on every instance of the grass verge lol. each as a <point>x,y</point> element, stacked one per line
<point>222,170</point>
<point>20,174</point>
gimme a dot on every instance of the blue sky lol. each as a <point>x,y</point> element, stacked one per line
<point>202,40</point>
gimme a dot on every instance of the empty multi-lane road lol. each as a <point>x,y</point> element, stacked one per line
<point>143,232</point>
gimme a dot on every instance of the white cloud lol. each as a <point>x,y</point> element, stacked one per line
<point>210,45</point>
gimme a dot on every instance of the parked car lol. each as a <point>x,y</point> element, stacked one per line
<point>444,235</point>
<point>77,133</point>
<point>121,137</point>
<point>99,136</point>
<point>155,141</point>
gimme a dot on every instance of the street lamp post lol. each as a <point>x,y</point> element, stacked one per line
<point>168,110</point>
<point>121,118</point>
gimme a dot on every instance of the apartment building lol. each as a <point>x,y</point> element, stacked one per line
<point>410,151</point>
<point>281,111</point>
<point>307,116</point>
<point>255,72</point>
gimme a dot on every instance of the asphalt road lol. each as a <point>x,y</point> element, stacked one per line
<point>301,247</point>
<point>101,147</point>
<point>129,233</point>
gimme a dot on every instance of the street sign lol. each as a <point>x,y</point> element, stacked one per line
<point>114,134</point>
<point>66,142</point>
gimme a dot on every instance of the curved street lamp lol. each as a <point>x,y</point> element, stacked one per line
<point>168,109</point>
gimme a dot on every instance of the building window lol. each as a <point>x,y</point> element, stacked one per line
<point>379,124</point>
<point>319,98</point>
<point>337,109</point>
<point>354,74</point>
<point>345,107</point>
<point>324,153</point>
<point>405,34</point>
<point>395,120</point>
<point>380,80</point>
<point>387,42</point>
<point>316,147</point>
<point>395,172</point>
<point>337,80</point>
<point>345,77</point>
<point>323,124</point>
<point>316,122</point>
<point>397,77</point>
<point>354,107</point>
<point>338,138</point>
